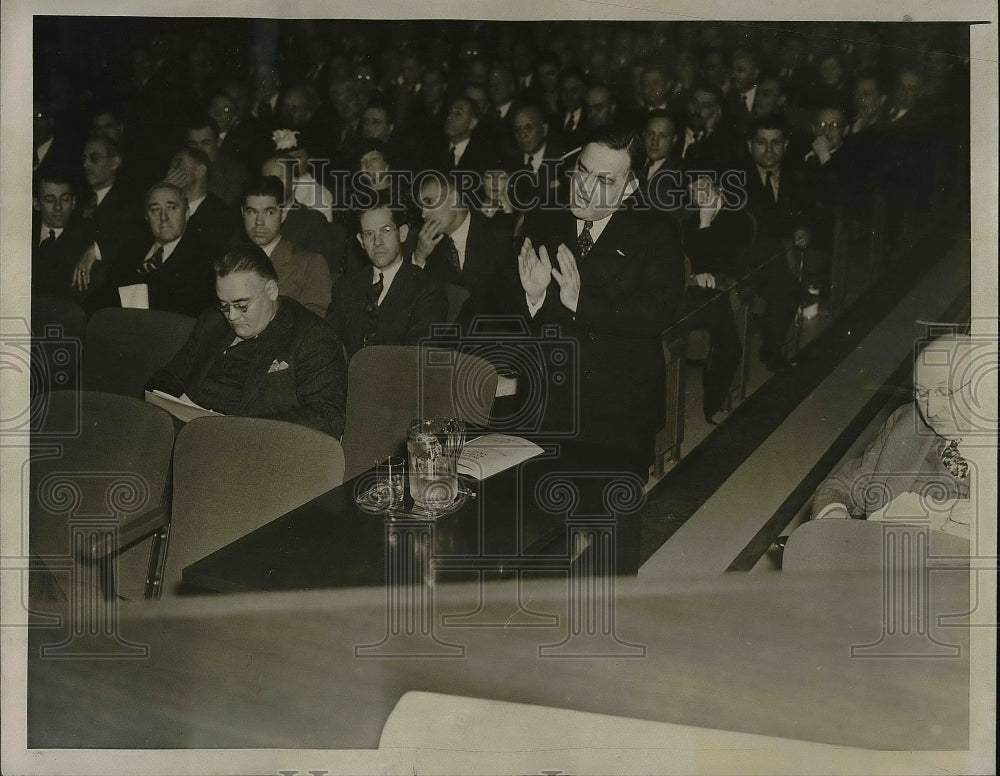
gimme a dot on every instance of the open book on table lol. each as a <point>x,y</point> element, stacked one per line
<point>181,407</point>
<point>493,453</point>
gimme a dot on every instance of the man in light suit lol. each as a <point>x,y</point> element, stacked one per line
<point>396,302</point>
<point>917,448</point>
<point>611,276</point>
<point>263,356</point>
<point>302,275</point>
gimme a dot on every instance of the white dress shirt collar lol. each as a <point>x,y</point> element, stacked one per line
<point>388,275</point>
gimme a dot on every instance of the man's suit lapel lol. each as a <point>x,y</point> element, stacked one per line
<point>399,290</point>
<point>267,350</point>
<point>282,252</point>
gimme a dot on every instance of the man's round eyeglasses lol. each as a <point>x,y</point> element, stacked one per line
<point>240,307</point>
<point>922,394</point>
<point>832,124</point>
<point>368,235</point>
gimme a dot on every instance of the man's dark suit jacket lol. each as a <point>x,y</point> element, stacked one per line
<point>414,301</point>
<point>184,283</point>
<point>722,149</point>
<point>548,186</point>
<point>114,222</point>
<point>721,248</point>
<point>777,217</point>
<point>217,224</point>
<point>488,261</point>
<point>310,390</point>
<point>480,155</point>
<point>226,177</point>
<point>53,263</point>
<point>308,229</point>
<point>632,285</point>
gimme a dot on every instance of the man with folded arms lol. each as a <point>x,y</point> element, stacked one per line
<point>260,354</point>
<point>395,302</point>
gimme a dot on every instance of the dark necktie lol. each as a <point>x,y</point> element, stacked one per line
<point>49,239</point>
<point>453,257</point>
<point>954,462</point>
<point>585,241</point>
<point>154,262</point>
<point>371,307</point>
<point>373,294</point>
<point>454,156</point>
<point>570,124</point>
<point>769,185</point>
<point>91,206</point>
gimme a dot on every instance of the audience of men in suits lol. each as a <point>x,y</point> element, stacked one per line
<point>706,103</point>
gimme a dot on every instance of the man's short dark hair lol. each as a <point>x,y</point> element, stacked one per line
<point>110,146</point>
<point>370,144</point>
<point>709,88</point>
<point>263,186</point>
<point>660,113</point>
<point>52,173</point>
<point>245,258</point>
<point>619,138</point>
<point>533,107</point>
<point>773,121</point>
<point>200,121</point>
<point>382,199</point>
<point>573,72</point>
<point>473,107</point>
<point>870,75</point>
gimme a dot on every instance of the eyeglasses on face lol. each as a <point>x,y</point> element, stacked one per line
<point>240,307</point>
<point>831,124</point>
<point>368,235</point>
<point>942,392</point>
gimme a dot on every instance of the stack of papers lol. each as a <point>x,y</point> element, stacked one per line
<point>493,453</point>
<point>181,407</point>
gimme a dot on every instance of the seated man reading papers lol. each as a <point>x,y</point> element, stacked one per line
<point>260,354</point>
<point>915,470</point>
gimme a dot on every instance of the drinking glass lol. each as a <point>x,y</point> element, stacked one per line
<point>434,446</point>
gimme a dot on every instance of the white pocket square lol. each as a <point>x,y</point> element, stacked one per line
<point>277,366</point>
<point>619,253</point>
